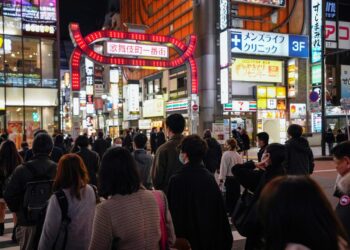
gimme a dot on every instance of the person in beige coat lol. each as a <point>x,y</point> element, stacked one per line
<point>130,217</point>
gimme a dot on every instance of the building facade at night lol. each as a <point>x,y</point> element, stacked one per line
<point>29,69</point>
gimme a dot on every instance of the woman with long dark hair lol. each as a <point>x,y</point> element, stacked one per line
<point>9,160</point>
<point>71,186</point>
<point>295,211</point>
<point>131,217</point>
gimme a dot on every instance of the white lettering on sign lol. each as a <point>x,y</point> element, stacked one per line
<point>137,49</point>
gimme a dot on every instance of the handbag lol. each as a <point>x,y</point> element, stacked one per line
<point>164,234</point>
<point>244,216</point>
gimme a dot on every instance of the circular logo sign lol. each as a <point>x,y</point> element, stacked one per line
<point>344,200</point>
<point>314,96</point>
<point>195,107</point>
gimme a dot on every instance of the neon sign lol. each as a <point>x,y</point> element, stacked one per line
<point>137,49</point>
<point>83,47</point>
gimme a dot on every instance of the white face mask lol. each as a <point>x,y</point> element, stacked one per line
<point>118,145</point>
<point>182,158</point>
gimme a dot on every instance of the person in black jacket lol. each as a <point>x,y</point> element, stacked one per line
<point>329,138</point>
<point>254,181</point>
<point>59,142</point>
<point>55,154</point>
<point>213,156</point>
<point>246,142</point>
<point>340,137</point>
<point>263,141</point>
<point>160,138</point>
<point>153,140</point>
<point>195,201</point>
<point>341,154</point>
<point>40,165</point>
<point>299,158</point>
<point>90,158</point>
<point>127,142</point>
<point>100,146</point>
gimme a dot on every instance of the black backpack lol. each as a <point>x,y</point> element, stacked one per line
<point>61,239</point>
<point>36,197</point>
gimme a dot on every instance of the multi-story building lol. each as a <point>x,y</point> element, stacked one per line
<point>28,68</point>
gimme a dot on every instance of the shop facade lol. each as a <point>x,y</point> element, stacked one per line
<point>29,73</point>
<point>260,81</point>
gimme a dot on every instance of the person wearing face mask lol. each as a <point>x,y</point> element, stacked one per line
<point>166,161</point>
<point>195,201</point>
<point>253,177</point>
<point>118,142</point>
<point>230,158</point>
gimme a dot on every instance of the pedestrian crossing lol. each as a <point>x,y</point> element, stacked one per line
<point>6,241</point>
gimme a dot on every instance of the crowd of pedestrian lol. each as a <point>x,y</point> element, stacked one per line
<point>100,194</point>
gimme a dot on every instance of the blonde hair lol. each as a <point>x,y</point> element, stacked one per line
<point>232,143</point>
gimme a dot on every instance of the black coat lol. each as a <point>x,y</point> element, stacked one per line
<point>329,137</point>
<point>246,141</point>
<point>127,142</point>
<point>343,207</point>
<point>255,181</point>
<point>14,193</point>
<point>92,161</point>
<point>160,139</point>
<point>299,157</point>
<point>100,146</point>
<point>55,155</point>
<point>153,141</point>
<point>212,159</point>
<point>198,210</point>
<point>341,137</point>
<point>260,153</point>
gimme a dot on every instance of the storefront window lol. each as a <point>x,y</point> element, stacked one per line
<point>31,55</point>
<point>48,52</point>
<point>13,61</point>
<point>14,96</point>
<point>12,8</point>
<point>14,118</point>
<point>49,120</point>
<point>32,122</point>
<point>12,26</point>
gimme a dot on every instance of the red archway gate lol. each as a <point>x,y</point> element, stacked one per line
<point>82,47</point>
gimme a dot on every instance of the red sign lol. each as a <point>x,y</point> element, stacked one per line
<point>83,46</point>
<point>195,107</point>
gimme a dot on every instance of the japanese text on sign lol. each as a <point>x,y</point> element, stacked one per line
<point>272,44</point>
<point>316,31</point>
<point>144,50</point>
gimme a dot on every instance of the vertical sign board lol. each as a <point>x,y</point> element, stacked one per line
<point>345,81</point>
<point>316,31</point>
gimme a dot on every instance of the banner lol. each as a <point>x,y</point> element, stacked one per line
<point>251,70</point>
<point>345,81</point>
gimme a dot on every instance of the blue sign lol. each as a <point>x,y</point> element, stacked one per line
<point>271,44</point>
<point>298,46</point>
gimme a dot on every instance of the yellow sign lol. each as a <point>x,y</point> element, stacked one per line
<point>251,70</point>
<point>262,104</point>
<point>281,92</point>
<point>271,92</point>
<point>261,92</point>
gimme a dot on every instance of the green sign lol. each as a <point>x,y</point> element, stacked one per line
<point>316,75</point>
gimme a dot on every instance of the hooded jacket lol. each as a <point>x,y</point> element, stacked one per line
<point>343,206</point>
<point>212,159</point>
<point>299,158</point>
<point>144,164</point>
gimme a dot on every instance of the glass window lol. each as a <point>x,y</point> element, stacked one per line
<point>32,119</point>
<point>13,61</point>
<point>48,10</point>
<point>181,83</point>
<point>150,87</point>
<point>12,26</point>
<point>31,62</point>
<point>12,8</point>
<point>157,86</point>
<point>48,52</point>
<point>49,120</point>
<point>14,96</point>
<point>40,97</point>
<point>14,118</point>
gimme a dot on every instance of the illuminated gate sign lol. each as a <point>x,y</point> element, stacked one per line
<point>137,49</point>
<point>83,47</point>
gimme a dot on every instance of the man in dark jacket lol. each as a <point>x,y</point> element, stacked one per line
<point>91,159</point>
<point>341,154</point>
<point>127,142</point>
<point>40,166</point>
<point>55,154</point>
<point>100,146</point>
<point>196,203</point>
<point>143,160</point>
<point>160,138</point>
<point>299,159</point>
<point>263,141</point>
<point>213,156</point>
<point>153,140</point>
<point>330,140</point>
<point>166,161</point>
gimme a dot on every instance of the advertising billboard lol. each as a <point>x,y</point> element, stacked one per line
<point>251,70</point>
<point>273,3</point>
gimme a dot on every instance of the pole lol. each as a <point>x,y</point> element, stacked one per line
<point>347,123</point>
<point>323,85</point>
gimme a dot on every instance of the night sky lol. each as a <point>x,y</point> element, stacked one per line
<point>88,13</point>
